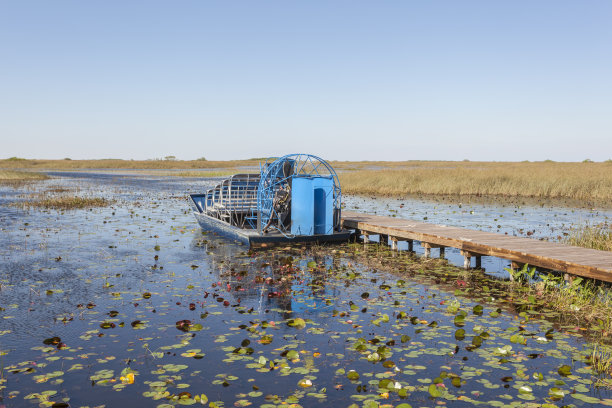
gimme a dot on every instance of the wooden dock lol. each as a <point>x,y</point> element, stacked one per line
<point>553,256</point>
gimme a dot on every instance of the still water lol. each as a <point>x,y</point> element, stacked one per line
<point>132,305</point>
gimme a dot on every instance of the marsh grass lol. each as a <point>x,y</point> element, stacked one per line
<point>601,363</point>
<point>19,177</point>
<point>582,181</point>
<point>583,302</point>
<point>592,236</point>
<point>122,164</point>
<point>65,202</point>
<point>202,174</point>
<point>601,359</point>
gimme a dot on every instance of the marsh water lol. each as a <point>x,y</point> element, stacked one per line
<point>133,305</point>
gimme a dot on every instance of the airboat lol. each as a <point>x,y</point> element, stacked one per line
<point>293,199</point>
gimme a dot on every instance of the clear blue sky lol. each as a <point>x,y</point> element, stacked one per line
<point>347,80</point>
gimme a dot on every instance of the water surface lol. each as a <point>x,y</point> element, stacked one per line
<point>90,297</point>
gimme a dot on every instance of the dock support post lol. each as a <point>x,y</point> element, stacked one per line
<point>394,243</point>
<point>467,259</point>
<point>410,245</point>
<point>428,247</point>
<point>383,239</point>
<point>467,262</point>
<point>366,238</point>
<point>427,251</point>
<point>478,262</point>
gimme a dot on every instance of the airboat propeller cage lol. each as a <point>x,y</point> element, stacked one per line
<point>298,195</point>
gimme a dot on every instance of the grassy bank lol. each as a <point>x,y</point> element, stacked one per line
<point>581,181</point>
<point>16,163</point>
<point>13,177</point>
<point>592,236</point>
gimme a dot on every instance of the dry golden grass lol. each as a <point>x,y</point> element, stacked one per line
<point>201,174</point>
<point>21,175</point>
<point>18,178</point>
<point>582,181</point>
<point>66,202</point>
<point>592,236</point>
<point>121,164</point>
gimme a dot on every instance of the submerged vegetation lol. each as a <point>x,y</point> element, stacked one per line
<point>582,181</point>
<point>582,303</point>
<point>592,236</point>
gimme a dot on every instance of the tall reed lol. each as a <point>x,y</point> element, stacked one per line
<point>592,236</point>
<point>582,181</point>
<point>9,176</point>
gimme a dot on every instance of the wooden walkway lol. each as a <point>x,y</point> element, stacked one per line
<point>571,260</point>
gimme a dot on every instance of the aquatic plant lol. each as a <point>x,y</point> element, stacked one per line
<point>591,236</point>
<point>522,275</point>
<point>66,202</point>
<point>143,309</point>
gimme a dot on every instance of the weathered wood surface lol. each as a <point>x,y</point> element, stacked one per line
<point>585,262</point>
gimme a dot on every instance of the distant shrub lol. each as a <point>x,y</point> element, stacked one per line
<point>67,158</point>
<point>587,161</point>
<point>15,159</point>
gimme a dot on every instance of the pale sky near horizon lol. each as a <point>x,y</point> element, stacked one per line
<point>345,80</point>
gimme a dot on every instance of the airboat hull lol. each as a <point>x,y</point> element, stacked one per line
<point>253,240</point>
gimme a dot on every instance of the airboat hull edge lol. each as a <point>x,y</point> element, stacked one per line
<point>253,240</point>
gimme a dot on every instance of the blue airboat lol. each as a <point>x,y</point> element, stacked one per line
<point>293,199</point>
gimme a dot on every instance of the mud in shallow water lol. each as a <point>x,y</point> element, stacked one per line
<point>132,305</point>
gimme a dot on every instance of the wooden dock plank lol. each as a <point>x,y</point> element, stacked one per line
<point>585,262</point>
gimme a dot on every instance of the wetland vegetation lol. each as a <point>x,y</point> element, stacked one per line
<point>68,164</point>
<point>585,181</point>
<point>64,202</point>
<point>17,177</point>
<point>134,305</point>
<point>582,181</point>
<point>592,236</point>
